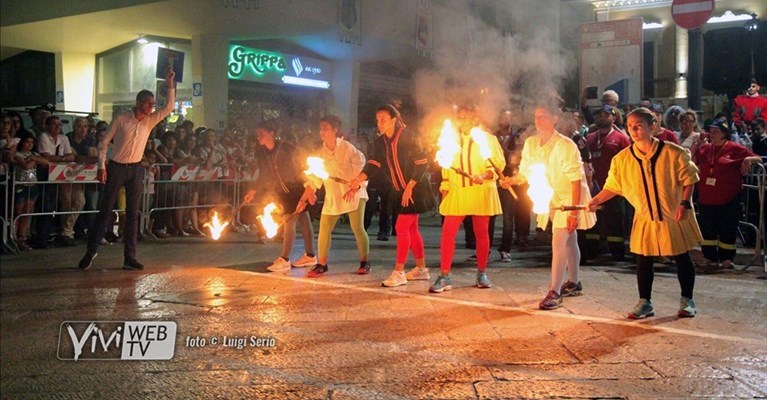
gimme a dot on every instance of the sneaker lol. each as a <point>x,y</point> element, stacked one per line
<point>132,265</point>
<point>397,278</point>
<point>472,257</point>
<point>643,309</point>
<point>305,261</point>
<point>728,264</point>
<point>571,289</point>
<point>686,308</point>
<point>505,257</point>
<point>552,301</point>
<point>482,281</point>
<point>383,238</point>
<point>364,268</point>
<point>317,270</point>
<point>418,274</point>
<point>87,261</point>
<point>279,265</point>
<point>441,284</point>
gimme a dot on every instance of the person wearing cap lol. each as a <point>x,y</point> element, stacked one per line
<point>721,163</point>
<point>750,106</point>
<point>610,98</point>
<point>398,153</point>
<point>472,197</point>
<point>660,132</point>
<point>657,178</point>
<point>604,144</point>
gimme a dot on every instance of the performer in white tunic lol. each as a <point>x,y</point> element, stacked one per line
<point>343,162</point>
<point>565,174</point>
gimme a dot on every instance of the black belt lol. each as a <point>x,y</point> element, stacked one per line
<point>125,164</point>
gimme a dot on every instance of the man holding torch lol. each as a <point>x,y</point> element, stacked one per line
<point>551,163</point>
<point>469,191</point>
<point>404,160</point>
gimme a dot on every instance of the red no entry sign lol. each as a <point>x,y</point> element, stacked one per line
<point>690,14</point>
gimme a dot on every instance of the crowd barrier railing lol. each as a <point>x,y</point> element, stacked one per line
<point>75,177</point>
<point>754,187</point>
<point>5,219</point>
<point>188,187</point>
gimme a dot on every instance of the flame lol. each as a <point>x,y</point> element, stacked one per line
<point>480,138</point>
<point>215,225</point>
<point>268,221</point>
<point>539,191</point>
<point>448,145</point>
<point>316,167</point>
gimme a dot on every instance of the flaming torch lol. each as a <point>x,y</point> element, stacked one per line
<point>316,167</point>
<point>539,191</point>
<point>480,138</point>
<point>270,225</point>
<point>215,226</point>
<point>449,148</point>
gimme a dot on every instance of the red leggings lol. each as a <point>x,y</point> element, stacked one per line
<point>409,237</point>
<point>447,244</point>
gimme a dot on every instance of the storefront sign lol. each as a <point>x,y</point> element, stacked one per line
<point>256,65</point>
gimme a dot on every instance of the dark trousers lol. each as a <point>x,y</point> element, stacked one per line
<point>381,196</point>
<point>719,226</point>
<point>46,203</point>
<point>118,175</point>
<point>468,230</point>
<point>685,272</point>
<point>609,226</point>
<point>516,216</point>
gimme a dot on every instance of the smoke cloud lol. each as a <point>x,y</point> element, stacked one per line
<point>503,56</point>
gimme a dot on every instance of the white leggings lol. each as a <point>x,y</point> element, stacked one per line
<point>565,256</point>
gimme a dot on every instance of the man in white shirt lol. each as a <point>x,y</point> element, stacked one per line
<point>54,146</point>
<point>130,131</point>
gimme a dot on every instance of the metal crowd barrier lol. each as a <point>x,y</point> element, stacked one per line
<point>59,174</point>
<point>5,219</point>
<point>754,183</point>
<point>189,187</point>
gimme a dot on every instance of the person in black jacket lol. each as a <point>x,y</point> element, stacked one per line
<point>281,177</point>
<point>398,153</point>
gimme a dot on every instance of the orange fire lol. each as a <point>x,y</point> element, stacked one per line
<point>215,225</point>
<point>267,220</point>
<point>316,167</point>
<point>448,145</point>
<point>540,191</point>
<point>480,138</point>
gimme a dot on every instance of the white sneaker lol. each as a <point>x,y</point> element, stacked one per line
<point>305,261</point>
<point>418,274</point>
<point>397,278</point>
<point>279,265</point>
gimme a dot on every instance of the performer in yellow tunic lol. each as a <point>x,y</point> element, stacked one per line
<point>657,178</point>
<point>566,177</point>
<point>475,196</point>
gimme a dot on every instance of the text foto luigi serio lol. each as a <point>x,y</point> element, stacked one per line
<point>236,342</point>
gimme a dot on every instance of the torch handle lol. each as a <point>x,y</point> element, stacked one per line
<point>500,174</point>
<point>339,180</point>
<point>461,172</point>
<point>574,208</point>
